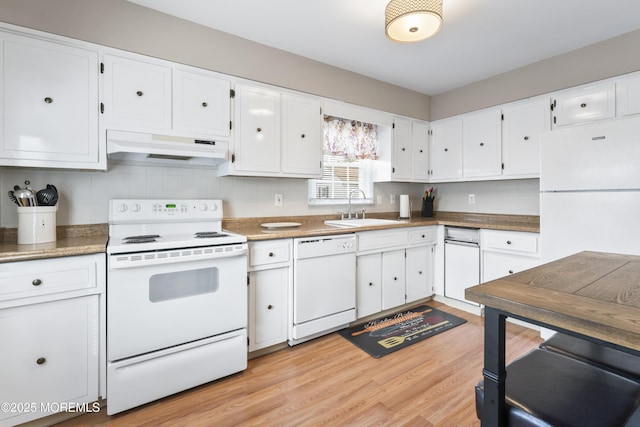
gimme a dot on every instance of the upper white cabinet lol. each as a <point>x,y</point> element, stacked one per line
<point>256,145</point>
<point>276,134</point>
<point>137,94</point>
<point>522,124</point>
<point>628,95</point>
<point>402,152</point>
<point>148,95</point>
<point>301,136</point>
<point>446,149</point>
<point>481,144</point>
<point>420,151</point>
<point>410,143</point>
<point>49,108</point>
<point>201,103</point>
<point>584,104</point>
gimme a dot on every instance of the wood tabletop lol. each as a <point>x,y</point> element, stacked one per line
<point>590,293</point>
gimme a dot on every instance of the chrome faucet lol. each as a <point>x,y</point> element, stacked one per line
<point>364,196</point>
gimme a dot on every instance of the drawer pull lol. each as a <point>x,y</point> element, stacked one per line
<point>271,254</point>
<point>36,282</point>
<point>583,105</point>
<point>302,136</point>
<point>526,138</point>
<point>269,307</point>
<point>41,361</point>
<point>508,242</point>
<point>395,278</point>
<point>510,271</point>
<point>204,104</point>
<point>423,236</point>
<point>419,272</point>
<point>259,130</point>
<point>370,283</point>
<point>48,100</point>
<point>139,93</point>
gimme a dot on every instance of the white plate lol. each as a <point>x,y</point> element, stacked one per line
<point>280,224</point>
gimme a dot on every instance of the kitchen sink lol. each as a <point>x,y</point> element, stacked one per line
<point>367,222</point>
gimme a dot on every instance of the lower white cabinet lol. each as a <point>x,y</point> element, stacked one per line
<point>50,330</point>
<point>269,280</point>
<point>507,252</point>
<point>394,267</point>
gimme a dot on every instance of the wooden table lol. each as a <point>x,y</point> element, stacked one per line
<point>590,295</point>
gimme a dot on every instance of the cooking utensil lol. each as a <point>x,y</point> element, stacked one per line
<point>12,197</point>
<point>25,197</point>
<point>46,197</point>
<point>55,191</point>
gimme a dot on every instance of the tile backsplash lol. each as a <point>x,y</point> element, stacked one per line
<point>84,195</point>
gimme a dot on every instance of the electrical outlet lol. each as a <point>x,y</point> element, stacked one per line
<point>472,199</point>
<point>392,199</point>
<point>379,199</point>
<point>278,200</point>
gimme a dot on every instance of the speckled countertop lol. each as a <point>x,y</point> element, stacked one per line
<point>315,226</point>
<point>70,240</point>
<point>93,238</point>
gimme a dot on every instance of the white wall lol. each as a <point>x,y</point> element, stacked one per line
<point>517,197</point>
<point>84,195</point>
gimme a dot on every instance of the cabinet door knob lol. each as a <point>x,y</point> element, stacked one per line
<point>204,104</point>
<point>36,282</point>
<point>41,360</point>
<point>302,136</point>
<point>48,100</point>
<point>402,148</point>
<point>269,307</point>
<point>139,93</point>
<point>446,149</point>
<point>526,138</point>
<point>583,105</point>
<point>259,130</point>
<point>370,283</point>
<point>419,272</point>
<point>482,144</point>
<point>508,242</point>
<point>395,278</point>
<point>510,271</point>
<point>271,254</point>
<point>423,236</point>
<point>421,151</point>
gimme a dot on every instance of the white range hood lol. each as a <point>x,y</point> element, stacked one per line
<point>157,148</point>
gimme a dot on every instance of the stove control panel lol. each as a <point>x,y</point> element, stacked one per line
<point>151,210</point>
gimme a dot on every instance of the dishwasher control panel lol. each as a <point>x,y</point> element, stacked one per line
<point>459,234</point>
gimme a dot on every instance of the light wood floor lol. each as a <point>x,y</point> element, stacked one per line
<point>330,382</point>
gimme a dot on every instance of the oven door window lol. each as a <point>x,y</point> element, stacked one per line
<point>183,284</point>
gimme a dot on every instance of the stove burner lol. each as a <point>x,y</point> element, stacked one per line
<point>147,238</point>
<point>208,234</point>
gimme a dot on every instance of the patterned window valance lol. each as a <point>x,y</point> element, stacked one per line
<point>350,139</point>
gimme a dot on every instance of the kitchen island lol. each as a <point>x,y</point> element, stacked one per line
<point>589,295</point>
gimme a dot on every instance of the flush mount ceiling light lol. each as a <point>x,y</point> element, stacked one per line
<point>412,20</point>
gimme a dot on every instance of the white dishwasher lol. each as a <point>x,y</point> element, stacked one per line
<point>324,285</point>
<point>461,261</point>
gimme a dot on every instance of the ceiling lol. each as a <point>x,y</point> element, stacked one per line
<point>479,38</point>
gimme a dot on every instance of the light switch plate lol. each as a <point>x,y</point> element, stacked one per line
<point>278,200</point>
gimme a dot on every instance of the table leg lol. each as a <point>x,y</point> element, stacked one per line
<point>494,411</point>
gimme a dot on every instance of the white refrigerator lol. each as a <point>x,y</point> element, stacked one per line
<point>590,189</point>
